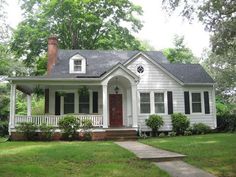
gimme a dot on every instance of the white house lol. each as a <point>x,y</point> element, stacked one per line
<point>124,87</point>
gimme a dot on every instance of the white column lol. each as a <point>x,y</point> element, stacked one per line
<point>12,106</point>
<point>90,102</point>
<point>104,101</point>
<point>28,105</point>
<point>134,106</point>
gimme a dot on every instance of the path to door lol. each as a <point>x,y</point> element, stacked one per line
<point>169,161</point>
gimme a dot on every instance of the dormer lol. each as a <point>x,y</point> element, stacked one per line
<point>77,64</point>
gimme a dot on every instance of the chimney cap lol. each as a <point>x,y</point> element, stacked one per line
<point>52,39</point>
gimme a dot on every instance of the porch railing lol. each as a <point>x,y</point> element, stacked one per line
<point>53,120</point>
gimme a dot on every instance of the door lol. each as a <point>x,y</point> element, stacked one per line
<point>115,110</point>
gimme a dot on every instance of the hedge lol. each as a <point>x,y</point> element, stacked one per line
<point>226,122</point>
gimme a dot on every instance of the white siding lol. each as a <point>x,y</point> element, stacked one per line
<point>154,79</point>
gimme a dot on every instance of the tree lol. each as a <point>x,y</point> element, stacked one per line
<point>219,18</point>
<point>84,24</point>
<point>180,53</point>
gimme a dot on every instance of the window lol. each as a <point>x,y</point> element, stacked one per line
<point>84,104</point>
<point>159,102</point>
<point>77,65</point>
<point>95,102</point>
<point>144,102</point>
<point>69,105</point>
<point>196,103</point>
<point>140,69</point>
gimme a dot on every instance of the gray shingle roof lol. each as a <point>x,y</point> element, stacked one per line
<point>189,73</point>
<point>99,62</point>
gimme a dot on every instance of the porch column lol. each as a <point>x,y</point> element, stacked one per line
<point>104,101</point>
<point>28,105</point>
<point>134,106</point>
<point>12,106</point>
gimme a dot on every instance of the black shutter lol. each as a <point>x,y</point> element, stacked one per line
<point>46,96</point>
<point>95,102</point>
<point>170,102</point>
<point>57,104</point>
<point>186,103</point>
<point>206,102</point>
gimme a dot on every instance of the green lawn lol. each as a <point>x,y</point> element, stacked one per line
<point>215,153</point>
<point>71,159</point>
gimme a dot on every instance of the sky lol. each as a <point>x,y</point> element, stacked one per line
<point>158,28</point>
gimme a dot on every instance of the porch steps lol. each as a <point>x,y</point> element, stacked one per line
<point>121,135</point>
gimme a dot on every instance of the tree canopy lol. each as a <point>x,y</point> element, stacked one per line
<point>180,53</point>
<point>84,24</point>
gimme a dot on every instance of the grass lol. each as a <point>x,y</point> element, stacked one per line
<point>83,159</point>
<point>215,153</point>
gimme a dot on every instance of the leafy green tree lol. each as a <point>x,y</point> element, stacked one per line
<point>180,53</point>
<point>219,18</point>
<point>84,24</point>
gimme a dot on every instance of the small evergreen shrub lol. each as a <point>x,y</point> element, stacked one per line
<point>3,128</point>
<point>154,122</point>
<point>46,131</point>
<point>180,123</point>
<point>200,128</point>
<point>28,129</point>
<point>69,124</point>
<point>172,134</point>
<point>226,122</point>
<point>86,126</point>
<point>161,135</point>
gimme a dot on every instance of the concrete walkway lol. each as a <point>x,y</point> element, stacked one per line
<point>165,160</point>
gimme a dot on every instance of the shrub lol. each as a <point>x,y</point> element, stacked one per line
<point>200,128</point>
<point>3,128</point>
<point>28,129</point>
<point>161,135</point>
<point>187,133</point>
<point>171,133</point>
<point>69,124</point>
<point>226,122</point>
<point>46,131</point>
<point>86,126</point>
<point>154,122</point>
<point>180,123</point>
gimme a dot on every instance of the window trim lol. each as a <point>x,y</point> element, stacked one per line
<point>140,103</point>
<point>165,101</point>
<point>83,64</point>
<point>62,101</point>
<point>191,106</point>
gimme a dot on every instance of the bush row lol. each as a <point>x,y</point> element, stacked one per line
<point>3,128</point>
<point>69,125</point>
<point>226,122</point>
<point>180,124</point>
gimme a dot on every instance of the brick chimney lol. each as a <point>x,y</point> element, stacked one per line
<point>52,53</point>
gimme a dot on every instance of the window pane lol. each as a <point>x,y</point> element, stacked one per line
<point>159,97</point>
<point>95,102</point>
<point>69,103</point>
<point>145,97</point>
<point>196,97</point>
<point>84,104</point>
<point>159,108</point>
<point>77,68</point>
<point>196,107</point>
<point>77,62</point>
<point>145,108</point>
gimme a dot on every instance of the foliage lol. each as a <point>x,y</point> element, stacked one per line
<point>83,91</point>
<point>161,135</point>
<point>85,24</point>
<point>5,100</point>
<point>209,152</point>
<point>219,18</point>
<point>171,133</point>
<point>180,123</point>
<point>154,122</point>
<point>3,128</point>
<point>28,129</point>
<point>46,131</point>
<point>226,122</point>
<point>69,124</point>
<point>86,126</point>
<point>200,128</point>
<point>187,133</point>
<point>180,53</point>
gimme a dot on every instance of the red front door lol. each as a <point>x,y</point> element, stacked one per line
<point>115,109</point>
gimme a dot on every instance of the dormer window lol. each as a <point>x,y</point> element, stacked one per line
<point>77,64</point>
